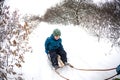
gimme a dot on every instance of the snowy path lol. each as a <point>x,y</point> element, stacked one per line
<point>84,51</point>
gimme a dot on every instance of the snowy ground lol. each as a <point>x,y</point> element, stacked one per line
<point>83,50</point>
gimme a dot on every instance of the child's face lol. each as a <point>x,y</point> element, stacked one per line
<point>56,37</point>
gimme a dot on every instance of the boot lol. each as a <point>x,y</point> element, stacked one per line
<point>56,67</point>
<point>66,63</point>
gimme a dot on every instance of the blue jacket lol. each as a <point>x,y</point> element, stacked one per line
<point>52,44</point>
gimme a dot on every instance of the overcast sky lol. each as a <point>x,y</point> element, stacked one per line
<point>37,6</point>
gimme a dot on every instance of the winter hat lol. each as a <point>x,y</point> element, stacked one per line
<point>56,32</point>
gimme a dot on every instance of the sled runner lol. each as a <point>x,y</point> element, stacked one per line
<point>61,65</point>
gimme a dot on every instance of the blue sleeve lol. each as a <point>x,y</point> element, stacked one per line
<point>61,46</point>
<point>46,45</point>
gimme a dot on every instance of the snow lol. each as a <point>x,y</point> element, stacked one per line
<point>102,1</point>
<point>83,51</point>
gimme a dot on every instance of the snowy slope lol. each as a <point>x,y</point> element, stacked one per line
<point>83,50</point>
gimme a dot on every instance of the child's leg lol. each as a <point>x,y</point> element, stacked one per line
<point>53,57</point>
<point>63,55</point>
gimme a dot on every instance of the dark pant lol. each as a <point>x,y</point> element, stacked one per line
<point>54,55</point>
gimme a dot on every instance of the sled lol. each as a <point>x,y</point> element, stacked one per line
<point>60,63</point>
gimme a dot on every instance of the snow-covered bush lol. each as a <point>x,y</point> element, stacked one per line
<point>13,43</point>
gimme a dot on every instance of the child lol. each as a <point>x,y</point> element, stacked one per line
<point>54,47</point>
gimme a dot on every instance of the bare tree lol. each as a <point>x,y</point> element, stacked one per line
<point>70,11</point>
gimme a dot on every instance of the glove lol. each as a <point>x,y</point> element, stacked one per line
<point>118,70</point>
<point>46,51</point>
